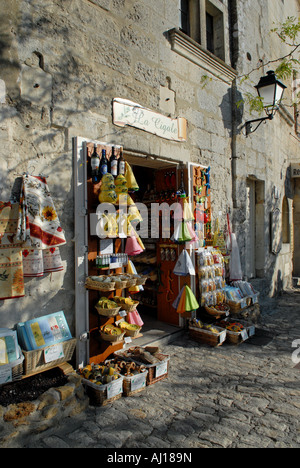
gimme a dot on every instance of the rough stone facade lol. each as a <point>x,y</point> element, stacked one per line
<point>63,62</point>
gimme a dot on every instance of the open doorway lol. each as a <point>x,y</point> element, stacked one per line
<point>255,229</point>
<point>158,184</point>
<point>296,223</point>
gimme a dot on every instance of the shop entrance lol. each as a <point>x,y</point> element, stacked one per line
<point>158,184</point>
<point>158,179</point>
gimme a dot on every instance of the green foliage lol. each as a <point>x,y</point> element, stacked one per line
<point>288,65</point>
<point>289,30</point>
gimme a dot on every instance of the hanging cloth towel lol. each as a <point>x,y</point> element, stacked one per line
<point>184,265</point>
<point>11,266</point>
<point>11,274</point>
<point>38,226</point>
<point>132,270</point>
<point>135,318</point>
<point>131,182</point>
<point>235,269</point>
<point>185,301</point>
<point>181,233</point>
<point>36,263</point>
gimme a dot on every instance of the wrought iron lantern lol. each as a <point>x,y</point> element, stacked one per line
<point>271,91</point>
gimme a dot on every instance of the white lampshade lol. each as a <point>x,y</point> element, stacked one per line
<point>271,90</point>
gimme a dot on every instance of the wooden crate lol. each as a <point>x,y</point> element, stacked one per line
<point>207,337</point>
<point>134,384</point>
<point>239,337</point>
<point>156,372</point>
<point>102,395</point>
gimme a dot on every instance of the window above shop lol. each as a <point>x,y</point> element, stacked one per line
<point>203,21</point>
<point>201,36</point>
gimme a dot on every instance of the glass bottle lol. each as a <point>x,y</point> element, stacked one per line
<point>113,163</point>
<point>121,170</point>
<point>103,163</point>
<point>95,163</point>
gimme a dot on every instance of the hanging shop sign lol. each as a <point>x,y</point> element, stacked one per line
<point>295,169</point>
<point>130,113</point>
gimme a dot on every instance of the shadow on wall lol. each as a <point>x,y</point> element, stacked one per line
<point>232,113</point>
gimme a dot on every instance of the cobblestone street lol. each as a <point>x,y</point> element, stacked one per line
<point>229,397</point>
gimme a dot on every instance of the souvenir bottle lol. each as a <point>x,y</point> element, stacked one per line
<point>103,163</point>
<point>113,163</point>
<point>95,163</point>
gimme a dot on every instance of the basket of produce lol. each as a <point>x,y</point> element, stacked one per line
<point>107,307</point>
<point>100,283</point>
<point>206,334</point>
<point>237,332</point>
<point>111,333</point>
<point>102,383</point>
<point>156,363</point>
<point>130,329</point>
<point>120,281</point>
<point>218,310</point>
<point>135,376</point>
<point>130,280</point>
<point>126,303</point>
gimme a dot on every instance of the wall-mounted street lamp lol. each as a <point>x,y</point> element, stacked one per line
<point>271,91</point>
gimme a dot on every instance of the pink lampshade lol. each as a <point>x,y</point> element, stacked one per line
<point>132,246</point>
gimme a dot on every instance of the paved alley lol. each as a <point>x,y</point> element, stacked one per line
<point>228,397</point>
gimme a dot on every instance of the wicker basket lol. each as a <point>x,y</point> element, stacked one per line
<point>217,313</point>
<point>112,338</point>
<point>134,384</point>
<point>102,395</point>
<point>156,372</point>
<point>237,307</point>
<point>141,280</point>
<point>17,370</point>
<point>207,337</point>
<point>130,308</point>
<point>132,333</point>
<point>99,286</point>
<point>35,362</point>
<point>108,312</point>
<point>120,284</point>
<point>130,282</point>
<point>239,337</point>
<point>15,367</point>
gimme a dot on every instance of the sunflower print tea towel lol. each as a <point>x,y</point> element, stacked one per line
<point>39,226</point>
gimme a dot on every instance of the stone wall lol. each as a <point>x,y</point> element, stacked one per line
<point>265,156</point>
<point>63,62</point>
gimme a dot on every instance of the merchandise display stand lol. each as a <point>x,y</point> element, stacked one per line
<point>99,349</point>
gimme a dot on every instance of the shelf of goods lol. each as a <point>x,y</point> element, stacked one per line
<point>107,285</point>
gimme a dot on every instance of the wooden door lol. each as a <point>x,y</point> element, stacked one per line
<point>166,181</point>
